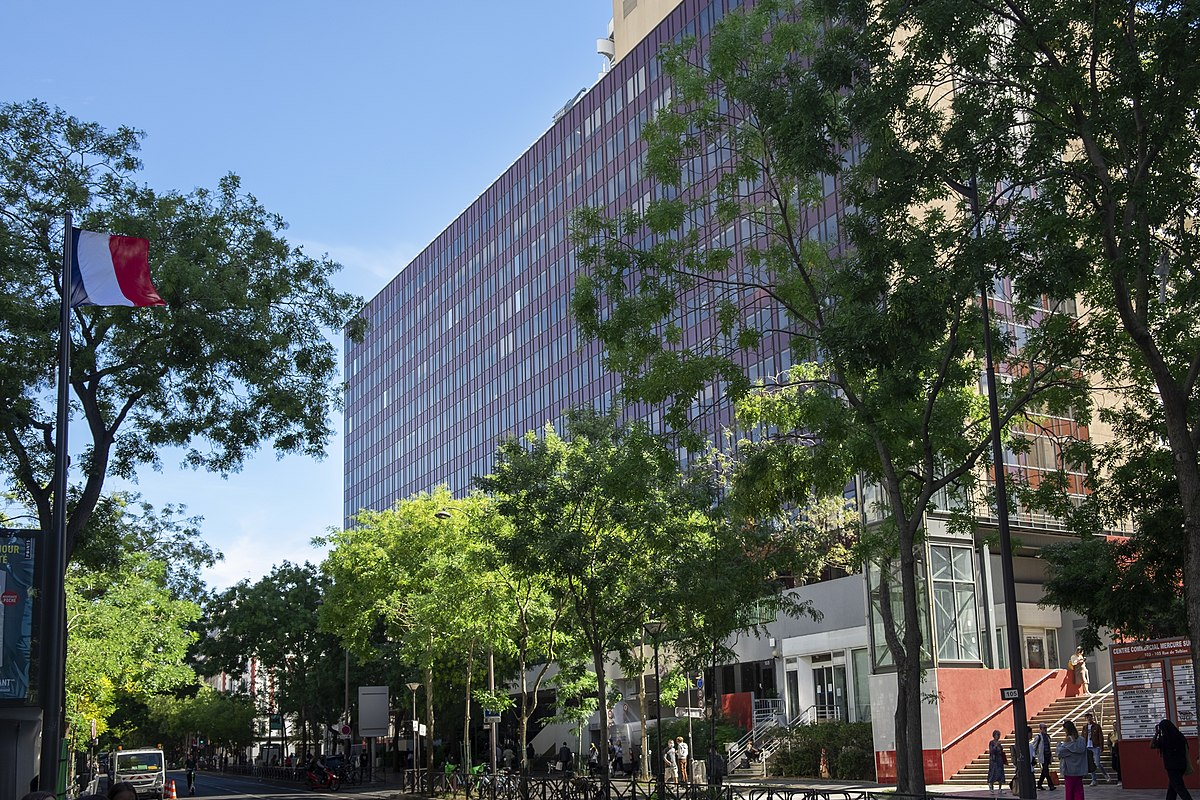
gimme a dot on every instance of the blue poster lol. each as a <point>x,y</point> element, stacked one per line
<point>16,615</point>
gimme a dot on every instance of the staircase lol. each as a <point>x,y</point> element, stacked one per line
<point>1072,708</point>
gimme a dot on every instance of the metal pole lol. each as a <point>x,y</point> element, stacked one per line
<point>1016,677</point>
<point>691,766</point>
<point>54,634</point>
<point>661,783</point>
<point>412,687</point>
<point>494,721</point>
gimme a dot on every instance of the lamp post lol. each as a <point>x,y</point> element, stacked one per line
<point>412,687</point>
<point>654,628</point>
<point>1022,765</point>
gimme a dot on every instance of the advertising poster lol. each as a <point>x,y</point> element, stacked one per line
<point>16,615</point>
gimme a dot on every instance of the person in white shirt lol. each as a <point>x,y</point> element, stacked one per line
<point>681,757</point>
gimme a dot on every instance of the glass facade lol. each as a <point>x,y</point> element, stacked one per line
<point>473,339</point>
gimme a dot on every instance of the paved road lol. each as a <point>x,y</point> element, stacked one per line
<point>218,785</point>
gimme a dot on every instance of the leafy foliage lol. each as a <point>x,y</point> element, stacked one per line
<point>843,749</point>
<point>238,359</point>
<point>274,621</point>
<point>128,639</point>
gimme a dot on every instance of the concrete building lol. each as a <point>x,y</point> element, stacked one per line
<point>473,340</point>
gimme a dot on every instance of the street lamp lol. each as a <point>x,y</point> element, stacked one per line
<point>1022,767</point>
<point>654,628</point>
<point>412,687</point>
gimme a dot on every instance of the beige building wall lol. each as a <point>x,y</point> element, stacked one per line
<point>634,19</point>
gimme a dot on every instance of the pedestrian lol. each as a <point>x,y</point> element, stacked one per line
<point>529,754</point>
<point>716,766</point>
<point>996,761</point>
<point>1043,754</point>
<point>122,791</point>
<point>593,759</point>
<point>635,759</point>
<point>682,757</point>
<point>1079,670</point>
<point>510,758</point>
<point>1094,735</point>
<point>1072,756</point>
<point>670,765</point>
<point>1173,748</point>
<point>566,761</point>
<point>619,757</point>
<point>1114,752</point>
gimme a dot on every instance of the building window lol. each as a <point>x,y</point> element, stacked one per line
<point>955,624</point>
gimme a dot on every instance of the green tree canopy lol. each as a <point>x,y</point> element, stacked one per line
<point>128,639</point>
<point>604,514</point>
<point>793,108</point>
<point>274,620</point>
<point>238,359</point>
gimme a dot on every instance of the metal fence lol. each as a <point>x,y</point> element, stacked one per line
<point>558,787</point>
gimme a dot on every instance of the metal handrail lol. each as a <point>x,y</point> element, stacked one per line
<point>1095,702</point>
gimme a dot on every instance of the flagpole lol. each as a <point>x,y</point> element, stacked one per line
<point>54,634</point>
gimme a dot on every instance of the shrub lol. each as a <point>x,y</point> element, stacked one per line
<point>800,752</point>
<point>854,764</point>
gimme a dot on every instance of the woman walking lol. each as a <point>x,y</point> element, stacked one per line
<point>1073,763</point>
<point>1173,748</point>
<point>996,762</point>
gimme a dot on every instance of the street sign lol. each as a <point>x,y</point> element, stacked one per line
<point>491,717</point>
<point>1010,694</point>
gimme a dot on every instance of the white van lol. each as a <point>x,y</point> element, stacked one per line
<point>145,770</point>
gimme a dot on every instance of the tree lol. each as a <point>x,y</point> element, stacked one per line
<point>274,621</point>
<point>877,310</point>
<point>1118,582</point>
<point>128,639</point>
<point>1084,119</point>
<point>237,360</point>
<point>1106,98</point>
<point>222,720</point>
<point>601,513</point>
<point>418,576</point>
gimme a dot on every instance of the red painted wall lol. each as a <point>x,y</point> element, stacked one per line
<point>885,766</point>
<point>739,708</point>
<point>967,696</point>
<point>1141,767</point>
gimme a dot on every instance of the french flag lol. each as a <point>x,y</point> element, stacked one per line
<point>111,271</point>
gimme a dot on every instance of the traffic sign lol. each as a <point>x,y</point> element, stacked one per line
<point>9,598</point>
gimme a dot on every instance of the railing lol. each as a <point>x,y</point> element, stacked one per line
<point>993,714</point>
<point>1095,702</point>
<point>817,713</point>
<point>586,788</point>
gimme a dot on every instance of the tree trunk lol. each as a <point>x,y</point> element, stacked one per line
<point>467,754</point>
<point>429,715</point>
<point>644,766</point>
<point>598,661</point>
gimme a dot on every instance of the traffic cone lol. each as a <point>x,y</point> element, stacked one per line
<point>169,793</point>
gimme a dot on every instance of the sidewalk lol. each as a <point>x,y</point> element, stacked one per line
<point>389,789</point>
<point>1103,791</point>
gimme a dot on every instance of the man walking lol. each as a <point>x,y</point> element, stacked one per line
<point>1042,753</point>
<point>1093,734</point>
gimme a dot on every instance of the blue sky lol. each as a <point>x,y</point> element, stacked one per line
<point>368,125</point>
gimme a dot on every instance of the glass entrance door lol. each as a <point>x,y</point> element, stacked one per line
<point>829,689</point>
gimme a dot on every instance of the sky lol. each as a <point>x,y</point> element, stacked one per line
<point>368,125</point>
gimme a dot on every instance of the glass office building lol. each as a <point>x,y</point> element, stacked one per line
<point>473,339</point>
